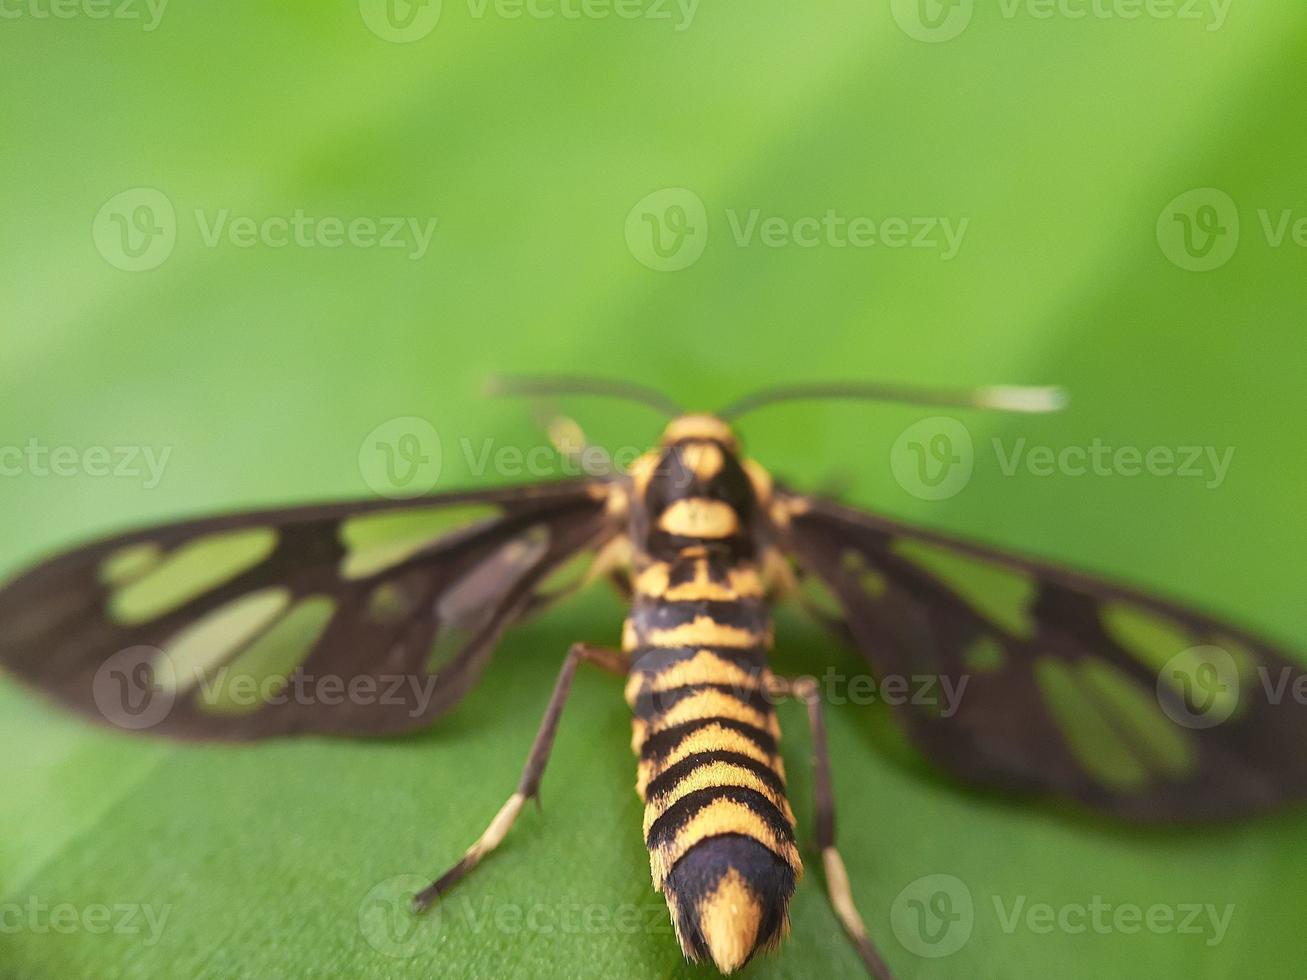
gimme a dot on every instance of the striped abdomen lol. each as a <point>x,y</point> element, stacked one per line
<point>719,829</point>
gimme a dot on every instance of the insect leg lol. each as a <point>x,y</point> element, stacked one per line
<point>529,785</point>
<point>837,878</point>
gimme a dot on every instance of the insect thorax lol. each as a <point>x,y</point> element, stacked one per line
<point>694,491</point>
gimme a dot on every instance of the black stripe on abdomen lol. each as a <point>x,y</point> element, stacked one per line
<point>718,826</point>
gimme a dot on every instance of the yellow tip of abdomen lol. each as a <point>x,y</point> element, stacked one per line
<point>729,919</point>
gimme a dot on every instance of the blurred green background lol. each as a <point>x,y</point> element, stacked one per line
<point>1063,145</point>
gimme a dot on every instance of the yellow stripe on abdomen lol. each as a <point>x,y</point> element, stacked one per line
<point>717,823</point>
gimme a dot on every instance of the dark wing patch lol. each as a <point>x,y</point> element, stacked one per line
<point>359,618</point>
<point>1062,683</point>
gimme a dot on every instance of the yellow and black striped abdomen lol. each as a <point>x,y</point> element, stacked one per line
<point>719,829</point>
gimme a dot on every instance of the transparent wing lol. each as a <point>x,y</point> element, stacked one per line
<point>361,618</point>
<point>1061,682</point>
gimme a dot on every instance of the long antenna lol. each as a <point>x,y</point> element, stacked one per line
<point>549,385</point>
<point>1003,398</point>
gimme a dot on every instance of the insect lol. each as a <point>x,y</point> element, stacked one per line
<point>1070,685</point>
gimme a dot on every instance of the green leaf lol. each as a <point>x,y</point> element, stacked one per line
<point>255,375</point>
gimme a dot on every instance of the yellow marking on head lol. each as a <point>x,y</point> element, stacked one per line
<point>714,774</point>
<point>700,517</point>
<point>630,639</point>
<point>710,738</point>
<point>761,480</point>
<point>729,920</point>
<point>717,818</point>
<point>699,427</point>
<point>705,704</point>
<point>704,459</point>
<point>705,631</point>
<point>642,471</point>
